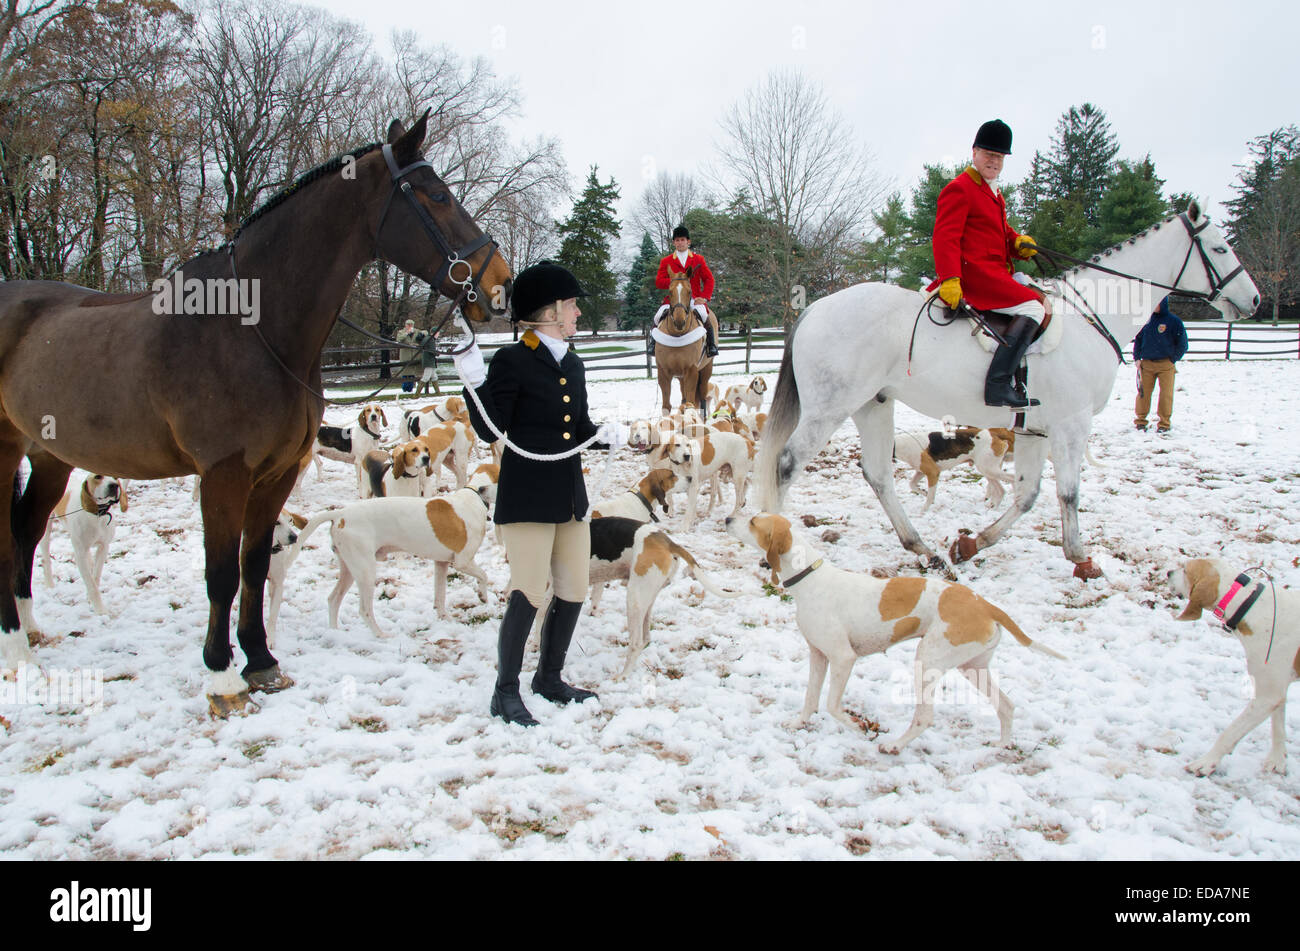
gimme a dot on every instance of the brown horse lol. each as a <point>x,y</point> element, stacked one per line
<point>686,364</point>
<point>192,379</point>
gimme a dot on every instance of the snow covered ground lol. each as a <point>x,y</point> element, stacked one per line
<point>384,749</point>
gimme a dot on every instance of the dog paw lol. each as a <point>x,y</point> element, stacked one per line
<point>797,723</point>
<point>890,749</point>
<point>1276,764</point>
<point>1202,767</point>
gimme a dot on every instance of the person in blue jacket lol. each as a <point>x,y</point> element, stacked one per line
<point>1156,348</point>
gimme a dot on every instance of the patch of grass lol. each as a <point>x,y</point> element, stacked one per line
<point>672,673</point>
<point>253,751</point>
<point>770,589</point>
<point>46,763</point>
<point>370,724</point>
<point>174,605</point>
<point>514,829</point>
<point>478,619</point>
<point>676,857</point>
<point>115,679</point>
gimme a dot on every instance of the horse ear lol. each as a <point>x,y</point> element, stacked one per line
<point>407,143</point>
<point>395,131</point>
<point>1194,210</point>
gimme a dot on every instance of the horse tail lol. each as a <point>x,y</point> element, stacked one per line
<point>313,523</point>
<point>781,421</point>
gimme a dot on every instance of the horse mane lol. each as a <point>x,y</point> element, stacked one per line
<point>1119,244</point>
<point>306,178</point>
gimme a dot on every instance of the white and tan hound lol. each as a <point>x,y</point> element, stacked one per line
<point>932,451</point>
<point>749,395</point>
<point>283,551</point>
<point>844,616</point>
<point>638,503</point>
<point>89,523</point>
<point>403,471</point>
<point>448,530</point>
<point>1266,619</point>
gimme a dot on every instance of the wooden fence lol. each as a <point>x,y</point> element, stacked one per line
<point>609,355</point>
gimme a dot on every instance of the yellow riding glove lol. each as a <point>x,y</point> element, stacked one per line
<point>950,292</point>
<point>1026,247</point>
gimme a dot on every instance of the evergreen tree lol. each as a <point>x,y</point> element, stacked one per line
<point>1265,222</point>
<point>916,263</point>
<point>640,296</point>
<point>1272,152</point>
<point>739,243</point>
<point>1131,204</point>
<point>584,249</point>
<point>880,259</point>
<point>1082,158</point>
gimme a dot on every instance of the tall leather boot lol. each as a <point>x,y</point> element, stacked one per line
<point>710,345</point>
<point>557,631</point>
<point>998,390</point>
<point>518,621</point>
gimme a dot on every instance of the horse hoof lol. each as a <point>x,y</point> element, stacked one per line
<point>269,680</point>
<point>963,549</point>
<point>221,707</point>
<point>1086,570</point>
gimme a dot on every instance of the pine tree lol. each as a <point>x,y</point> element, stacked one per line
<point>640,296</point>
<point>1131,204</point>
<point>880,259</point>
<point>916,263</point>
<point>739,242</point>
<point>1272,151</point>
<point>1082,159</point>
<point>584,249</point>
<point>1265,222</point>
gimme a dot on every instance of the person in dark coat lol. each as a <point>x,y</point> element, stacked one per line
<point>973,249</point>
<point>1160,344</point>
<point>535,392</point>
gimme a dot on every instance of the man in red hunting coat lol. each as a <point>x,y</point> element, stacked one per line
<point>973,249</point>
<point>682,259</point>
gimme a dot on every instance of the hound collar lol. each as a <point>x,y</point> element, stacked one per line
<point>646,502</point>
<point>795,579</point>
<point>1242,583</point>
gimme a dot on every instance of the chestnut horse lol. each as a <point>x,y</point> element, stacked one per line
<point>229,393</point>
<point>683,363</point>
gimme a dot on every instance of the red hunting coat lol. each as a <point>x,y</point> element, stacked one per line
<point>973,241</point>
<point>701,280</point>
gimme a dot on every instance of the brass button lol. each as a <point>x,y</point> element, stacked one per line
<point>566,435</point>
<point>563,381</point>
<point>567,417</point>
<point>566,399</point>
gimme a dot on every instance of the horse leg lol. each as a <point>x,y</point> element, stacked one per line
<point>224,499</point>
<point>264,505</point>
<point>666,388</point>
<point>31,516</point>
<point>14,649</point>
<point>875,422</point>
<point>1068,444</point>
<point>1031,453</point>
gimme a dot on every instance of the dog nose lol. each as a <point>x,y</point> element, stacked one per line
<point>728,520</point>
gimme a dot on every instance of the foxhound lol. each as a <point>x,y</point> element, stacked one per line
<point>448,530</point>
<point>90,526</point>
<point>749,395</point>
<point>931,451</point>
<point>1266,619</point>
<point>718,453</point>
<point>844,616</point>
<point>283,551</point>
<point>626,549</point>
<point>638,503</point>
<point>404,470</point>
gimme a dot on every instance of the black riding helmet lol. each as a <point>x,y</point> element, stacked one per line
<point>995,136</point>
<point>544,283</point>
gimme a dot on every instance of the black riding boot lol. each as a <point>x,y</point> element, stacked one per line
<point>710,345</point>
<point>998,390</point>
<point>557,631</point>
<point>515,626</point>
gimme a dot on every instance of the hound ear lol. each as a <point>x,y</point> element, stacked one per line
<point>1203,595</point>
<point>399,462</point>
<point>299,522</point>
<point>779,541</point>
<point>383,416</point>
<point>121,496</point>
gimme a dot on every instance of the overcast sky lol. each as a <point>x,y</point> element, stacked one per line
<point>637,88</point>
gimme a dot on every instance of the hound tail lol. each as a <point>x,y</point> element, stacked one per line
<point>694,570</point>
<point>313,523</point>
<point>781,421</point>
<point>1001,617</point>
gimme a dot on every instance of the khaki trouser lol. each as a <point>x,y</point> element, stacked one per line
<point>539,551</point>
<point>1149,372</point>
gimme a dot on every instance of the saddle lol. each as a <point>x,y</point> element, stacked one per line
<point>994,325</point>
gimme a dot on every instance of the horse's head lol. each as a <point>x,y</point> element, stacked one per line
<point>1212,269</point>
<point>679,299</point>
<point>422,228</point>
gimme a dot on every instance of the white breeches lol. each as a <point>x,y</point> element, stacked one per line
<point>700,309</point>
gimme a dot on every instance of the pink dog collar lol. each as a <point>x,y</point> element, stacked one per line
<point>1221,609</point>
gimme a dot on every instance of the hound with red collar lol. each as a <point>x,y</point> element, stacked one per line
<point>1266,620</point>
<point>844,616</point>
<point>448,530</point>
<point>89,523</point>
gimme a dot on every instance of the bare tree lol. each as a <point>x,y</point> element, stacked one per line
<point>788,148</point>
<point>663,206</point>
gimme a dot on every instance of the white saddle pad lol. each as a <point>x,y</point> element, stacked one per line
<point>687,338</point>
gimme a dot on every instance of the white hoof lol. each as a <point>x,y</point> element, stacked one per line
<point>14,649</point>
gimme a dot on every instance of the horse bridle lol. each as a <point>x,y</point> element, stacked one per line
<point>1213,278</point>
<point>469,284</point>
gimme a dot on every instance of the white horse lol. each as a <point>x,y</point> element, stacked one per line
<point>849,356</point>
